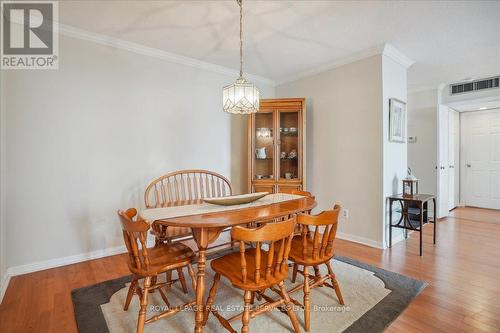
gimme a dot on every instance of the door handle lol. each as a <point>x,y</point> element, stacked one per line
<point>468,165</point>
<point>452,167</point>
<point>442,167</point>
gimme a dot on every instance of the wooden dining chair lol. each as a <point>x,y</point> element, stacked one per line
<point>147,263</point>
<point>297,192</point>
<point>298,228</point>
<point>254,270</point>
<point>314,247</point>
<point>183,187</point>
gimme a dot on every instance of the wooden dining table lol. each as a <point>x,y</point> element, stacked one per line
<point>207,227</point>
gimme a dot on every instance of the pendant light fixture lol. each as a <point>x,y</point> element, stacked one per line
<point>241,97</point>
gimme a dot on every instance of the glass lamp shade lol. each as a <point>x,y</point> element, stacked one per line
<point>242,97</point>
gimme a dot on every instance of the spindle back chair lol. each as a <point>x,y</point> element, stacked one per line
<point>148,263</point>
<point>183,187</point>
<point>314,247</point>
<point>297,192</point>
<point>256,269</point>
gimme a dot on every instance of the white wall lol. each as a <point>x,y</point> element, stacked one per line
<point>86,139</point>
<point>344,143</point>
<point>422,123</point>
<point>395,153</point>
<point>3,267</point>
<point>349,157</point>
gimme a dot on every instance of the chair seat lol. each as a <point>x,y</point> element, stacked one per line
<point>166,257</point>
<point>230,267</point>
<point>297,256</point>
<point>175,233</point>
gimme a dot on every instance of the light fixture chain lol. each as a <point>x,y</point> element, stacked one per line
<point>240,2</point>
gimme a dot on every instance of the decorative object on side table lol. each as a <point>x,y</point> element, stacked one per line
<point>397,120</point>
<point>410,185</point>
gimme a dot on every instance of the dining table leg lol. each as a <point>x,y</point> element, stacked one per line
<point>201,237</point>
<point>200,291</point>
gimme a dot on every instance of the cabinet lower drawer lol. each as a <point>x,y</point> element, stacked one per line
<point>289,187</point>
<point>264,188</point>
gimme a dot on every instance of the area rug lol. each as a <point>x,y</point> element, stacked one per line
<point>374,298</point>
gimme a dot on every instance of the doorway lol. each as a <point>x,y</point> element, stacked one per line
<point>448,167</point>
<point>481,158</point>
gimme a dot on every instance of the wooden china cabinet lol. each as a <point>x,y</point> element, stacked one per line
<point>276,141</point>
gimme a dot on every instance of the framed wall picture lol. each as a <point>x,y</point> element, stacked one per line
<point>397,120</point>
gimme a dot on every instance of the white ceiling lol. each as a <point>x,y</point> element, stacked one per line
<point>448,40</point>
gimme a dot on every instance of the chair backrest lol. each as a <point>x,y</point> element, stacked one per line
<point>135,237</point>
<point>185,185</point>
<point>325,221</point>
<point>278,236</point>
<point>298,192</point>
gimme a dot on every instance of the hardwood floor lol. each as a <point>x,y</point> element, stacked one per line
<point>462,270</point>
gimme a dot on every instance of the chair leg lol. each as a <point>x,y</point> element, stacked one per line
<point>257,295</point>
<point>335,284</point>
<point>246,313</point>
<point>144,303</point>
<point>317,274</point>
<point>307,304</point>
<point>294,273</point>
<point>180,273</point>
<point>211,296</point>
<point>289,308</point>
<point>164,297</point>
<point>131,292</point>
<point>154,280</point>
<point>192,276</point>
<point>168,277</point>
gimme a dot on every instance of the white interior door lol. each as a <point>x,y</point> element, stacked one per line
<point>453,159</point>
<point>443,166</point>
<point>481,152</point>
<point>456,163</point>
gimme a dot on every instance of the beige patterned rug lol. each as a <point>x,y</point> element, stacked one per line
<point>373,298</point>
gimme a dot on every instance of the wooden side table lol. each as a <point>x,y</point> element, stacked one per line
<point>420,201</point>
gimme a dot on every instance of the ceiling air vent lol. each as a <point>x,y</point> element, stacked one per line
<point>464,87</point>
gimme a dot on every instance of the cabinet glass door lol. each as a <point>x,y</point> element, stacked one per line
<point>289,154</point>
<point>264,146</point>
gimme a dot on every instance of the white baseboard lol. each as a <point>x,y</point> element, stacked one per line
<point>370,242</point>
<point>399,238</point>
<point>3,285</point>
<point>56,262</point>
<point>361,240</point>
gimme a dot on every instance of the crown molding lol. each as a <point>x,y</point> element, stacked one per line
<point>385,49</point>
<point>70,31</point>
<point>78,33</point>
<point>337,63</point>
<point>393,53</point>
